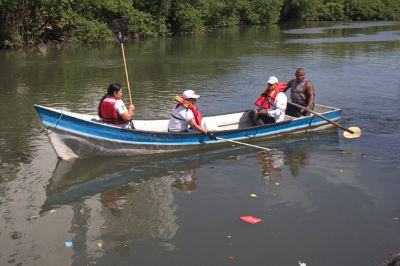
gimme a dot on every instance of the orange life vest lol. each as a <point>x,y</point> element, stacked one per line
<point>197,115</point>
<point>268,97</point>
<point>110,116</point>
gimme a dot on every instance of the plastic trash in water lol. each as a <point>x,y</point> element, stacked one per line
<point>250,219</point>
<point>68,244</point>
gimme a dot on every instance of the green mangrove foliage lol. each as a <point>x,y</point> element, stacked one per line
<point>303,10</point>
<point>33,21</point>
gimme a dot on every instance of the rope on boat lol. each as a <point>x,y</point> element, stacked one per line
<point>44,129</point>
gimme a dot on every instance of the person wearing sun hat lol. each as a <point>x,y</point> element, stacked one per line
<point>271,106</point>
<point>185,114</point>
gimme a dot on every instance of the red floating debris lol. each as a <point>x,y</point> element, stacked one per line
<point>250,219</point>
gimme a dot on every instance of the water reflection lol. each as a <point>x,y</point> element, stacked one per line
<point>73,180</point>
<point>271,165</point>
<point>320,27</point>
<point>185,181</point>
<point>114,199</point>
<point>294,154</point>
<point>121,202</point>
<point>131,203</point>
<point>296,161</point>
<point>139,211</point>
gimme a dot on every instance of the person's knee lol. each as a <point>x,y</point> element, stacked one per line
<point>259,122</point>
<point>250,115</point>
<point>295,112</point>
<point>251,118</point>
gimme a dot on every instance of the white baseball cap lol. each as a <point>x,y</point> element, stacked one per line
<point>272,80</point>
<point>189,94</point>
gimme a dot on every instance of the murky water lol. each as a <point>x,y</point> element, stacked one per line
<point>323,199</point>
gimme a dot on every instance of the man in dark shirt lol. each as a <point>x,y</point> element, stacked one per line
<point>301,93</point>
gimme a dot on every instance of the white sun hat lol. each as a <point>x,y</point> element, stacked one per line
<point>189,94</point>
<point>272,80</point>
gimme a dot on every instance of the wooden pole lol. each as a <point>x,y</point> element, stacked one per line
<point>126,73</point>
<point>323,117</point>
<point>241,143</point>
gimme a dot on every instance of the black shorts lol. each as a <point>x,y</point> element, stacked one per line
<point>259,119</point>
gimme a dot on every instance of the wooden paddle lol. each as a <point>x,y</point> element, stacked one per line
<point>121,40</point>
<point>355,132</point>
<point>241,143</point>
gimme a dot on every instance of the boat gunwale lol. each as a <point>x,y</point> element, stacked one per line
<point>334,109</point>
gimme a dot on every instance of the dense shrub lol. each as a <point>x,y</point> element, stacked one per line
<point>29,22</point>
<point>332,11</point>
<point>145,24</point>
<point>90,31</point>
<point>221,13</point>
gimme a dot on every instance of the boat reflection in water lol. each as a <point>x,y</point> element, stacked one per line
<point>125,201</point>
<point>295,154</point>
<point>185,181</point>
<point>271,165</point>
<point>144,210</point>
<point>129,199</point>
<point>139,211</point>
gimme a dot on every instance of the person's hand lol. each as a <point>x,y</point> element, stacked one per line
<point>308,107</point>
<point>127,115</point>
<point>211,135</point>
<point>264,112</point>
<point>256,111</point>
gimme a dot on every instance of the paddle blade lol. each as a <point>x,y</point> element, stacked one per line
<point>356,134</point>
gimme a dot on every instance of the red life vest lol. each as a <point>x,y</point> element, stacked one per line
<point>268,97</point>
<point>110,116</point>
<point>197,115</point>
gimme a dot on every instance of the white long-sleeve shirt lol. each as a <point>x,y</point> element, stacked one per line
<point>279,105</point>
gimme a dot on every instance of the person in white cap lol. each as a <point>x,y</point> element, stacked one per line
<point>185,114</point>
<point>301,93</point>
<point>271,106</point>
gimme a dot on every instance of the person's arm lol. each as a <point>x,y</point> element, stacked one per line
<point>260,110</point>
<point>309,90</point>
<point>263,112</point>
<point>281,102</point>
<point>193,124</point>
<point>127,116</point>
<point>289,84</point>
<point>257,109</point>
